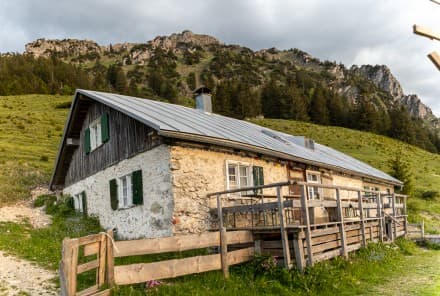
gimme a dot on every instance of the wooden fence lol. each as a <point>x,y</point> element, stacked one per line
<point>416,231</point>
<point>103,250</point>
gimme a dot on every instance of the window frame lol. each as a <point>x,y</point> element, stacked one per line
<point>238,177</point>
<point>78,202</point>
<point>125,201</point>
<point>95,134</point>
<point>312,190</point>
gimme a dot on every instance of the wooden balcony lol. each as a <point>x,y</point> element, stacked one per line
<point>305,230</point>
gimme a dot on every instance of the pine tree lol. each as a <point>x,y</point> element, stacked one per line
<point>318,109</point>
<point>400,170</point>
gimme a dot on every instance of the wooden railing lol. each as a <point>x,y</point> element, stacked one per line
<point>359,216</point>
<point>106,250</point>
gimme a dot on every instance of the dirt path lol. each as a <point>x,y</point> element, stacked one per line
<point>20,277</point>
<point>420,276</point>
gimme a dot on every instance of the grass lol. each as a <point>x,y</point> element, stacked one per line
<point>30,130</point>
<point>43,245</point>
<point>363,273</point>
<point>377,150</point>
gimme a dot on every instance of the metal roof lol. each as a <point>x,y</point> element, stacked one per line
<point>187,123</point>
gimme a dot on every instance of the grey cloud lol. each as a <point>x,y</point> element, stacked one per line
<point>352,32</point>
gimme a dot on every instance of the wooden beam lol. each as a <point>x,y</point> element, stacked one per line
<point>393,221</point>
<point>425,32</point>
<point>344,252</point>
<point>110,271</point>
<point>72,142</point>
<point>306,217</point>
<point>361,213</point>
<point>223,239</point>
<point>379,215</point>
<point>102,259</point>
<point>142,272</point>
<point>284,234</point>
<point>298,248</point>
<point>435,58</point>
<point>87,266</point>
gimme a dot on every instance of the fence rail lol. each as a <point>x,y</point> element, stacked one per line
<point>105,249</point>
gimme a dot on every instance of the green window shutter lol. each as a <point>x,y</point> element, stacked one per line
<point>258,175</point>
<point>136,181</point>
<point>87,146</point>
<point>84,202</point>
<point>105,132</point>
<point>114,194</point>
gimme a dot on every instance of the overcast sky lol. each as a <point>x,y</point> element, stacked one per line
<point>347,31</point>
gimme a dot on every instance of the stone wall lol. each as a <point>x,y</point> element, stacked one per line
<point>152,219</point>
<point>197,172</point>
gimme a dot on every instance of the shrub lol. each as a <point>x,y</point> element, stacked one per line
<point>430,194</point>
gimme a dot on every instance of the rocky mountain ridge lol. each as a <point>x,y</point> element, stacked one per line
<point>342,79</point>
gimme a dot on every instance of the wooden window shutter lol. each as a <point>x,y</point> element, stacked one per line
<point>84,202</point>
<point>258,175</point>
<point>137,187</point>
<point>105,132</point>
<point>87,147</point>
<point>114,194</point>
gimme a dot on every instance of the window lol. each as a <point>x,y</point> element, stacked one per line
<point>126,191</point>
<point>314,192</point>
<point>239,175</point>
<point>77,202</point>
<point>80,202</point>
<point>96,134</point>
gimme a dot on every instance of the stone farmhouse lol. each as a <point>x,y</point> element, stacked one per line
<point>145,168</point>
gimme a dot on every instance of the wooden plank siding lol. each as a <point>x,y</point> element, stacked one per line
<point>128,137</point>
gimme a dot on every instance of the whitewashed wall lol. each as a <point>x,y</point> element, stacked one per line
<point>154,217</point>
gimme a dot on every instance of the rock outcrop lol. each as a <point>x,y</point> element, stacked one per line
<point>382,77</point>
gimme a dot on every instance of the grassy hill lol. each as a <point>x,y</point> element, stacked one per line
<point>31,127</point>
<point>30,130</point>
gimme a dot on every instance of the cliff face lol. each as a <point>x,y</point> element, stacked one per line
<point>355,83</point>
<point>382,77</point>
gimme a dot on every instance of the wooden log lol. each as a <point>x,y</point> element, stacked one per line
<point>361,213</point>
<point>305,213</point>
<point>110,272</point>
<point>344,252</point>
<point>284,234</point>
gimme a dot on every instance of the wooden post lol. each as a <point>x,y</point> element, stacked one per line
<point>423,229</point>
<point>393,201</point>
<point>379,215</point>
<point>298,247</point>
<point>223,239</point>
<point>344,252</point>
<point>102,259</point>
<point>405,221</point>
<point>65,268</point>
<point>284,233</point>
<point>258,246</point>
<point>70,263</point>
<point>305,212</point>
<point>361,214</point>
<point>110,276</point>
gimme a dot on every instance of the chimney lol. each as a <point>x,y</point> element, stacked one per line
<point>203,99</point>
